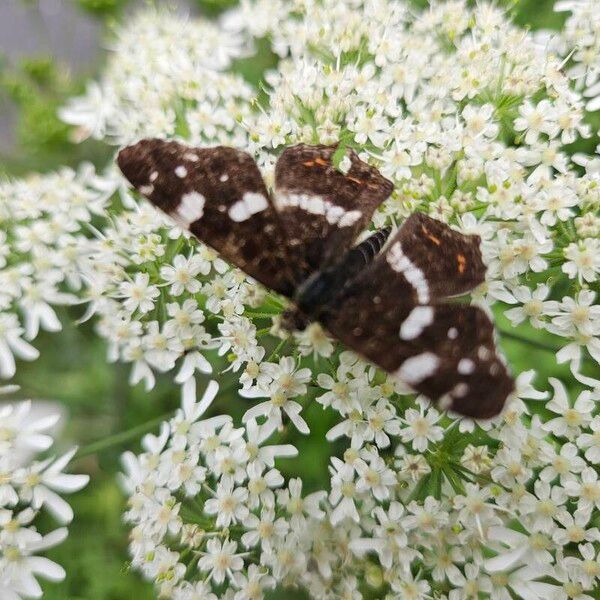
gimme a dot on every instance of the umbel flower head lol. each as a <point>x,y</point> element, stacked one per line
<point>27,488</point>
<point>471,118</point>
<point>40,237</point>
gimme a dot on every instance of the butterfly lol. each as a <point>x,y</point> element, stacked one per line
<point>388,298</point>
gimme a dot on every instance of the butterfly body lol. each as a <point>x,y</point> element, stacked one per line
<point>318,292</point>
<point>387,299</point>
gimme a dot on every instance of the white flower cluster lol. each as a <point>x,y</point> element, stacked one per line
<point>164,78</point>
<point>212,516</point>
<point>582,43</point>
<point>28,488</point>
<point>163,303</point>
<point>471,119</point>
<point>40,236</point>
<point>199,481</point>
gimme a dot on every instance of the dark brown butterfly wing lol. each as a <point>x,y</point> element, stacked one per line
<point>322,209</point>
<point>391,312</point>
<point>390,315</point>
<point>220,196</point>
<point>451,260</point>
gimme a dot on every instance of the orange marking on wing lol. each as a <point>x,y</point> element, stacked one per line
<point>359,181</point>
<point>309,163</point>
<point>321,161</point>
<point>432,237</point>
<point>462,263</point>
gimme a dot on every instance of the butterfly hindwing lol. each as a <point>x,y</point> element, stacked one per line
<point>451,359</point>
<point>220,196</point>
<point>323,209</point>
<point>454,360</point>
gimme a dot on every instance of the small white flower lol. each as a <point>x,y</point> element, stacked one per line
<point>40,482</point>
<point>566,464</point>
<point>534,305</point>
<point>182,275</point>
<point>139,294</point>
<point>191,410</point>
<point>220,560</point>
<point>583,260</point>
<point>228,504</point>
<point>374,477</point>
<point>427,517</point>
<point>343,492</point>
<point>299,507</point>
<point>253,585</point>
<point>19,566</point>
<point>535,120</point>
<point>576,528</point>
<point>280,382</point>
<point>266,529</point>
<point>585,489</point>
<point>420,428</point>
<point>590,442</point>
<point>12,344</point>
<point>18,432</point>
<point>517,549</point>
<point>572,418</point>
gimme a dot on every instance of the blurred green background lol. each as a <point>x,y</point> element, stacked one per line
<point>73,369</point>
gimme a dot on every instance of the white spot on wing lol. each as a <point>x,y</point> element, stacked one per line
<point>181,171</point>
<point>191,157</point>
<point>317,205</point>
<point>190,209</point>
<point>153,176</point>
<point>250,204</point>
<point>452,333</point>
<point>419,318</point>
<point>350,218</point>
<point>314,205</point>
<point>402,264</point>
<point>224,177</point>
<point>465,366</point>
<point>460,390</point>
<point>483,353</point>
<point>445,402</point>
<point>417,368</point>
<point>146,190</point>
<point>334,213</point>
<point>494,368</point>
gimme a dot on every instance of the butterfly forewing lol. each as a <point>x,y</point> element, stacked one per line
<point>323,209</point>
<point>451,260</point>
<point>220,196</point>
<point>446,351</point>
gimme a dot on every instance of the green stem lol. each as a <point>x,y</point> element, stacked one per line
<point>519,338</point>
<point>120,438</point>
<point>277,349</point>
<point>539,345</point>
